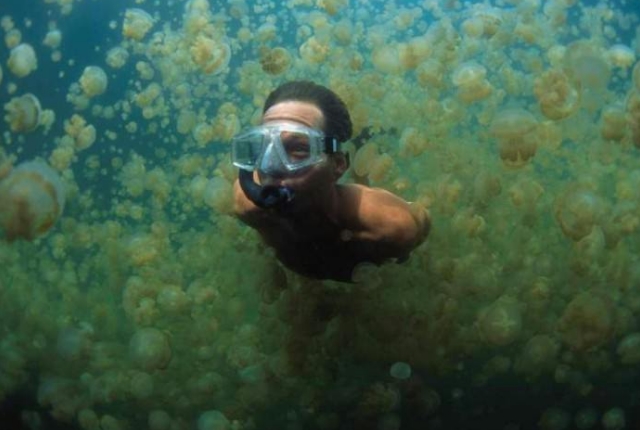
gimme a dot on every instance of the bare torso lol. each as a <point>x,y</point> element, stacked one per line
<point>330,246</point>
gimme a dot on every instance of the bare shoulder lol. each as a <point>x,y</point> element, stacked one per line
<point>377,214</point>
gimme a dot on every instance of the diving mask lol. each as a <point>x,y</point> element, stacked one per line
<point>281,146</point>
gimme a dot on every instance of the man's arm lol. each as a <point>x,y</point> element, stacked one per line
<point>245,209</point>
<point>382,217</point>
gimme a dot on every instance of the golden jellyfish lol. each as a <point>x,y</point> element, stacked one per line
<point>557,96</point>
<point>117,57</point>
<point>473,27</point>
<point>386,59</point>
<point>621,56</point>
<point>578,210</point>
<point>364,158</point>
<point>588,322</point>
<point>613,123</point>
<point>380,167</point>
<point>22,60</point>
<point>490,19</point>
<point>275,61</point>
<point>514,128</point>
<point>633,117</point>
<point>32,197</point>
<point>6,164</point>
<point>430,73</point>
<point>210,55</point>
<point>469,79</point>
<point>149,349</point>
<point>628,349</point>
<point>501,323</point>
<point>635,76</point>
<point>93,81</point>
<point>52,39</point>
<point>539,355</point>
<point>12,38</point>
<point>137,24</point>
<point>586,64</point>
<point>412,142</point>
<point>23,113</point>
<point>313,51</point>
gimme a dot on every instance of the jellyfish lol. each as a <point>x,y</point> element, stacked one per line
<point>22,60</point>
<point>149,349</point>
<point>633,117</point>
<point>589,68</point>
<point>577,210</point>
<point>32,197</point>
<point>587,322</point>
<point>313,51</point>
<point>23,113</point>
<point>635,76</point>
<point>500,323</point>
<point>621,56</point>
<point>53,39</point>
<point>117,57</point>
<point>137,24</point>
<point>275,61</point>
<point>469,79</point>
<point>614,123</point>
<point>212,56</point>
<point>93,81</point>
<point>12,38</point>
<point>514,129</point>
<point>557,96</point>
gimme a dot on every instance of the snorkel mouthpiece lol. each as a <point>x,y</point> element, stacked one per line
<point>266,197</point>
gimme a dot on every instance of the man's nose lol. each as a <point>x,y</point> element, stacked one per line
<point>271,164</point>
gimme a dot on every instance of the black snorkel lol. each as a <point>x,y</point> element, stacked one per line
<point>266,197</point>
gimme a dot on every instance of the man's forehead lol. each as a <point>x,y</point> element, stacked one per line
<point>303,112</point>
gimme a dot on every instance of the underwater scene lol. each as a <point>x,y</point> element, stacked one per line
<point>131,297</point>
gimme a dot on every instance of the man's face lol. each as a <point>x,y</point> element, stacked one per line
<point>316,177</point>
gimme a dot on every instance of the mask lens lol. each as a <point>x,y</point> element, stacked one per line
<point>246,149</point>
<point>296,145</point>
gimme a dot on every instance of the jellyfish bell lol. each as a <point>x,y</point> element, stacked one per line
<point>275,61</point>
<point>137,23</point>
<point>210,55</point>
<point>22,60</point>
<point>93,81</point>
<point>117,57</point>
<point>468,73</point>
<point>621,56</point>
<point>613,123</point>
<point>514,129</point>
<point>587,65</point>
<point>558,97</point>
<point>33,198</point>
<point>578,210</point>
<point>53,39</point>
<point>23,114</point>
<point>635,76</point>
<point>469,79</point>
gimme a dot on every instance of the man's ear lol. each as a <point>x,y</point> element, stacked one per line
<point>340,163</point>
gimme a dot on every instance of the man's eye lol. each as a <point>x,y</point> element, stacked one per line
<point>297,151</point>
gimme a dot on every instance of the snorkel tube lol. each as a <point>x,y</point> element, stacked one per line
<point>266,197</point>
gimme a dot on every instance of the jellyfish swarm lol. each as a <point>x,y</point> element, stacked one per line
<point>32,197</point>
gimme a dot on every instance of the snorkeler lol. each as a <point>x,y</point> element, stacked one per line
<point>287,189</point>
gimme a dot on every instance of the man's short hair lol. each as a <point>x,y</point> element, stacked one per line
<point>336,115</point>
